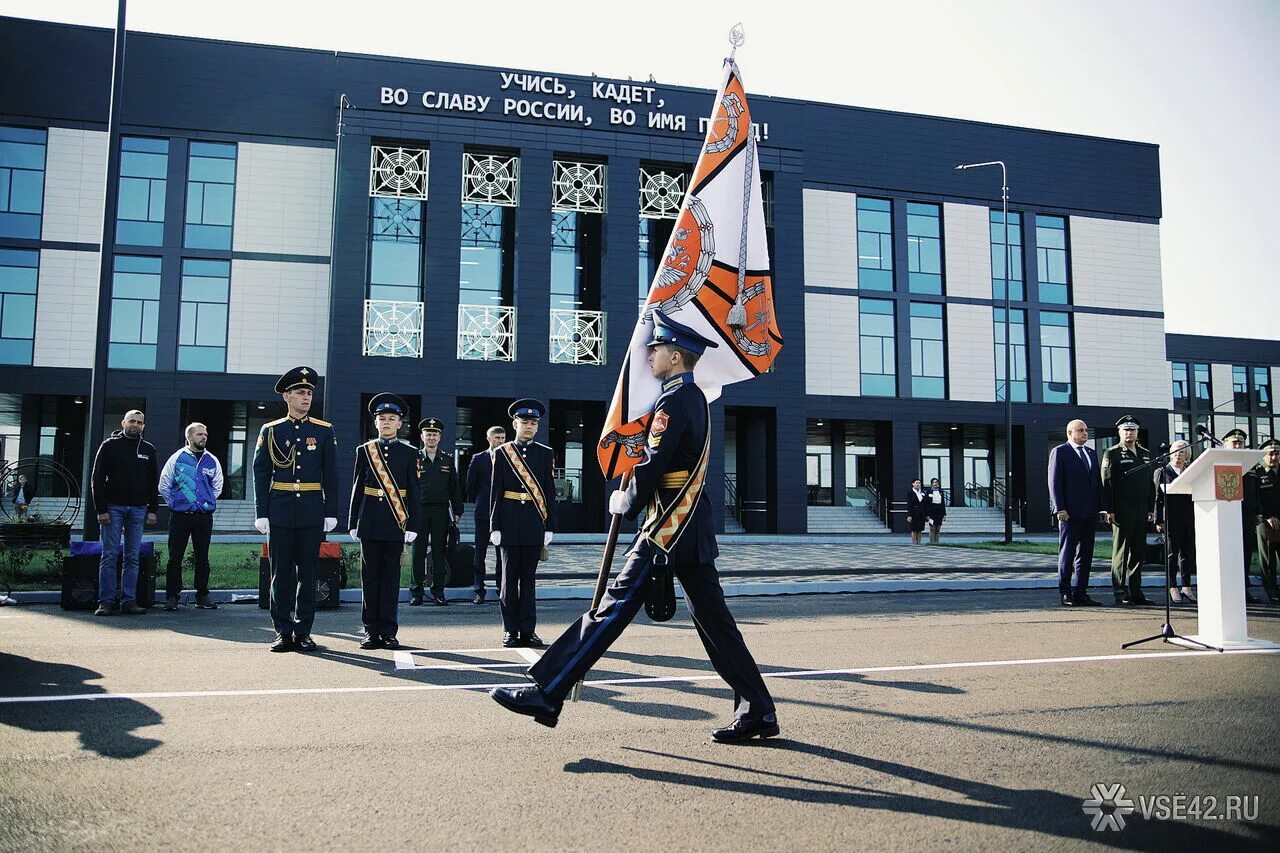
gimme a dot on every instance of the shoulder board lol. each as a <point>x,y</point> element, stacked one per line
<point>406,444</point>
<point>273,423</point>
<point>319,422</point>
<point>543,446</point>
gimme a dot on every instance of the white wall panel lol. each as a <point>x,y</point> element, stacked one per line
<point>967,238</point>
<point>1115,264</point>
<point>75,180</point>
<point>1120,362</point>
<point>284,199</point>
<point>270,301</point>
<point>831,344</point>
<point>1220,386</point>
<point>971,352</point>
<point>830,239</point>
<point>66,309</point>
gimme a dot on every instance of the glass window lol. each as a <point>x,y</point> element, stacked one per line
<point>202,325</point>
<point>928,359</point>
<point>1240,387</point>
<point>877,353</point>
<point>22,151</point>
<point>1006,256</point>
<point>1017,354</point>
<point>1203,386</point>
<point>654,235</point>
<point>576,243</point>
<point>211,195</point>
<point>18,276</point>
<point>1055,356</point>
<point>924,248</point>
<point>1180,385</point>
<point>135,307</point>
<point>487,275</point>
<point>144,167</point>
<point>1181,432</point>
<point>395,249</point>
<point>1261,389</point>
<point>1051,258</point>
<point>875,244</point>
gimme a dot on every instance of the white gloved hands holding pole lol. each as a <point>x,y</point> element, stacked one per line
<point>618,502</point>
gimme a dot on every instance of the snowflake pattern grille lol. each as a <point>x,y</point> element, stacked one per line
<point>661,193</point>
<point>577,186</point>
<point>577,337</point>
<point>486,333</point>
<point>489,179</point>
<point>398,172</point>
<point>392,329</point>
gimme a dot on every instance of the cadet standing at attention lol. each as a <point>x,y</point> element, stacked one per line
<point>384,516</point>
<point>295,479</point>
<point>438,483</point>
<point>1265,504</point>
<point>1129,499</point>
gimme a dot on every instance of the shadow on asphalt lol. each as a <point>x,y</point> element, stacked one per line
<point>108,732</point>
<point>1037,810</point>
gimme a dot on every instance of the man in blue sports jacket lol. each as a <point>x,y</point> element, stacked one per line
<point>295,478</point>
<point>677,531</point>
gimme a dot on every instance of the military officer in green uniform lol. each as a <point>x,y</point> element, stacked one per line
<point>295,478</point>
<point>1263,499</point>
<point>441,504</point>
<point>1128,499</point>
<point>1238,439</point>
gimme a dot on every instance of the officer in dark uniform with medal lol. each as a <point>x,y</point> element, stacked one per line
<point>1264,502</point>
<point>295,480</point>
<point>676,532</point>
<point>522,519</point>
<point>438,485</point>
<point>1129,500</point>
<point>1238,439</point>
<point>384,516</point>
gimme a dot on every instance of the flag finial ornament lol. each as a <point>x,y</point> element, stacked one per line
<point>737,35</point>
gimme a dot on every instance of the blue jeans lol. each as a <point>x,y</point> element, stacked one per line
<point>126,522</point>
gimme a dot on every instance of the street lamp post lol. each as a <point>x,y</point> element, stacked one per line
<point>1008,323</point>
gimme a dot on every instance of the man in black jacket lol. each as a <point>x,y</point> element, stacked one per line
<point>125,474</point>
<point>479,473</point>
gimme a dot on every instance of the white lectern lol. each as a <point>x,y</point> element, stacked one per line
<point>1215,482</point>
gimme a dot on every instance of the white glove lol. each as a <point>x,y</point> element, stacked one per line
<point>262,526</point>
<point>546,538</point>
<point>618,502</point>
<point>330,524</point>
<point>409,536</point>
<point>352,534</point>
<point>495,537</point>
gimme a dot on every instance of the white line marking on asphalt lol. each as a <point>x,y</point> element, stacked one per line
<point>529,654</point>
<point>799,673</point>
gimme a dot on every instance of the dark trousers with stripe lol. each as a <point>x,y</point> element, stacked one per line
<point>570,657</point>
<point>435,527</point>
<point>517,597</point>
<point>1075,551</point>
<point>295,551</point>
<point>482,552</point>
<point>380,585</point>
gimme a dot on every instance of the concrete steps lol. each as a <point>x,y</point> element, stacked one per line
<point>975,519</point>
<point>843,519</point>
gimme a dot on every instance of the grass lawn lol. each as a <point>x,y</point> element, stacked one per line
<point>1101,548</point>
<point>231,566</point>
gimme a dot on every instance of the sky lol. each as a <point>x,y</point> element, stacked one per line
<point>1198,79</point>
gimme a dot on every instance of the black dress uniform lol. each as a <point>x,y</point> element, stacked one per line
<point>1177,514</point>
<point>479,477</point>
<point>381,521</point>
<point>1265,503</point>
<point>1248,527</point>
<point>1130,498</point>
<point>296,489</point>
<point>514,512</point>
<point>440,495</point>
<point>676,441</point>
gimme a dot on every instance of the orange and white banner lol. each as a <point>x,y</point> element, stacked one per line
<point>714,278</point>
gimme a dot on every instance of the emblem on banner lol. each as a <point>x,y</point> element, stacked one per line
<point>1228,482</point>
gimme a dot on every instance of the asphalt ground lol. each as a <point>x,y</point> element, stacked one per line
<point>927,720</point>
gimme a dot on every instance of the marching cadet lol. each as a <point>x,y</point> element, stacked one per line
<point>1264,501</point>
<point>1238,439</point>
<point>384,516</point>
<point>522,519</point>
<point>438,484</point>
<point>1129,500</point>
<point>295,479</point>
<point>677,536</point>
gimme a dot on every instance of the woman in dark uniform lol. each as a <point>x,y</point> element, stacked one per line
<point>916,510</point>
<point>936,511</point>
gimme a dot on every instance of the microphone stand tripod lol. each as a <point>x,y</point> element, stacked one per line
<point>1166,630</point>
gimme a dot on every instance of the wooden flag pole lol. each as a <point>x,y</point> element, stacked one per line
<point>606,565</point>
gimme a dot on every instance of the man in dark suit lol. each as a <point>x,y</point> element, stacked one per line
<point>677,535</point>
<point>479,473</point>
<point>295,479</point>
<point>522,520</point>
<point>384,516</point>
<point>1077,500</point>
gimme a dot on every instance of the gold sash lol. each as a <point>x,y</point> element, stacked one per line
<point>526,478</point>
<point>387,483</point>
<point>663,525</point>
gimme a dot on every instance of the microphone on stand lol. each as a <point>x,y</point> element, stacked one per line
<point>1204,431</point>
